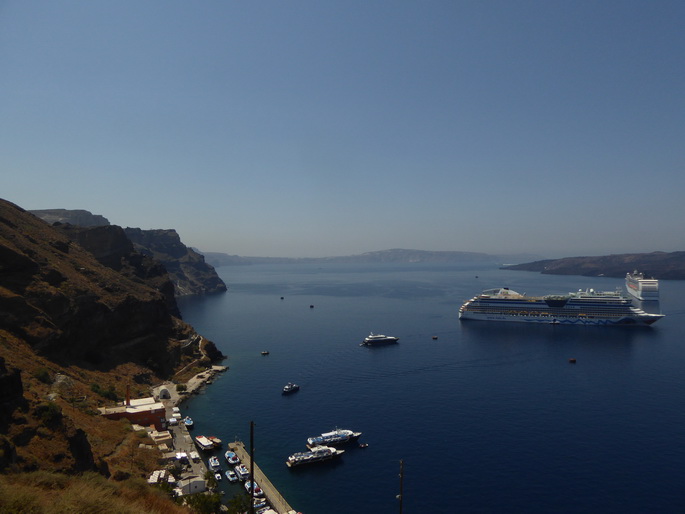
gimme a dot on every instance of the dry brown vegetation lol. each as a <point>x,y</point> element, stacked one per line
<point>47,492</point>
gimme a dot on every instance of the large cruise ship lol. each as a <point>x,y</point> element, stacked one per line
<point>587,307</point>
<point>644,289</point>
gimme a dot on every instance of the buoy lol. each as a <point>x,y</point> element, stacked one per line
<point>572,361</point>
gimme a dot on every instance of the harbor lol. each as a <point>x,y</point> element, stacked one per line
<point>187,445</point>
<point>275,499</point>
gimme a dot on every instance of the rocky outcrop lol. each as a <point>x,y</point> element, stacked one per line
<point>189,272</point>
<point>72,216</point>
<point>660,265</point>
<point>111,247</point>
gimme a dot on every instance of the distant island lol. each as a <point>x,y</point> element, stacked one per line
<point>396,255</point>
<point>659,265</point>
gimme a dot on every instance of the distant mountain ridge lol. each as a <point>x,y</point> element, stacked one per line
<point>395,255</point>
<point>659,265</point>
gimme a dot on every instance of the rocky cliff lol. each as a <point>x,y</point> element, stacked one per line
<point>78,217</point>
<point>74,334</point>
<point>112,248</point>
<point>188,270</point>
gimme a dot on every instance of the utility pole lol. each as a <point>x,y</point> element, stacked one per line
<point>252,484</point>
<point>399,496</point>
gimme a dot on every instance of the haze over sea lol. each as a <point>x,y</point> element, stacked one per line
<point>486,418</point>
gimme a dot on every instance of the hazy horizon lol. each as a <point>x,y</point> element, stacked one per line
<point>318,129</point>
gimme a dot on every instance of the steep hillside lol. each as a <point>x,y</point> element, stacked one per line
<point>189,271</point>
<point>73,335</point>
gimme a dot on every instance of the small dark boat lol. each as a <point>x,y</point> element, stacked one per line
<point>290,388</point>
<point>265,352</point>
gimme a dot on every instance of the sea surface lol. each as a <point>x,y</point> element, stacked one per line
<point>485,418</point>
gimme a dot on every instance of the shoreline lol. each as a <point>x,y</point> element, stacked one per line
<point>193,386</point>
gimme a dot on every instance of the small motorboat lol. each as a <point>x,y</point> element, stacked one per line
<point>265,352</point>
<point>214,463</point>
<point>290,388</point>
<point>257,490</point>
<point>217,476</point>
<point>242,472</point>
<point>231,476</point>
<point>188,422</point>
<point>232,458</point>
<point>363,445</point>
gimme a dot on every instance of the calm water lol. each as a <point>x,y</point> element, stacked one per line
<point>487,418</point>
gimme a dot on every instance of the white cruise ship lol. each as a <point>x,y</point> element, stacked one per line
<point>644,289</point>
<point>587,307</point>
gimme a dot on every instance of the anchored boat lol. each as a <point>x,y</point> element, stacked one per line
<point>333,438</point>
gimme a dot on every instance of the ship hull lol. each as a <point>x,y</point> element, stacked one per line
<point>565,320</point>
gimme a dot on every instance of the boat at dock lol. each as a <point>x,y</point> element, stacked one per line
<point>334,438</point>
<point>588,307</point>
<point>204,443</point>
<point>643,289</point>
<point>231,475</point>
<point>315,454</point>
<point>290,388</point>
<point>231,458</point>
<point>214,463</point>
<point>242,472</point>
<point>188,422</point>
<point>215,441</point>
<point>378,339</point>
<point>217,476</point>
<point>257,490</point>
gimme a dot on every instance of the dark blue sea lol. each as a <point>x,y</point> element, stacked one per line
<point>486,418</point>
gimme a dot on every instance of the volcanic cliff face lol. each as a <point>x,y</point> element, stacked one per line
<point>189,271</point>
<point>78,217</point>
<point>55,295</point>
<point>74,335</point>
<point>111,247</point>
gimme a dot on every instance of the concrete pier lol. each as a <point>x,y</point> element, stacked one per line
<point>272,495</point>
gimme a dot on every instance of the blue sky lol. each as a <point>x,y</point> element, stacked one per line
<point>322,128</point>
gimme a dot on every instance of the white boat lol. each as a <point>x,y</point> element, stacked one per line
<point>204,443</point>
<point>188,422</point>
<point>257,490</point>
<point>231,475</point>
<point>375,339</point>
<point>333,438</point>
<point>231,458</point>
<point>242,472</point>
<point>644,289</point>
<point>217,476</point>
<point>290,388</point>
<point>214,463</point>
<point>315,454</point>
<point>587,307</point>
